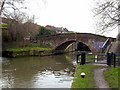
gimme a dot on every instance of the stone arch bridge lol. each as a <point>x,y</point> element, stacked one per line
<point>62,41</point>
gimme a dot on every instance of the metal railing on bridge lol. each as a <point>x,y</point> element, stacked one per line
<point>105,45</point>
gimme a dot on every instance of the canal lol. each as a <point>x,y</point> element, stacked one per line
<point>55,71</point>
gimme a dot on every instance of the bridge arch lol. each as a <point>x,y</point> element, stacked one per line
<point>81,46</point>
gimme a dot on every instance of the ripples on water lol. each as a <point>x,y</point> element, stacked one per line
<point>52,79</point>
<point>38,72</point>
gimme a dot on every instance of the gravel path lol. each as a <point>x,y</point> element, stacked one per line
<point>99,78</point>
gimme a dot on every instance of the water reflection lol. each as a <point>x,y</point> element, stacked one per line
<point>48,79</point>
<point>38,72</point>
<point>0,73</point>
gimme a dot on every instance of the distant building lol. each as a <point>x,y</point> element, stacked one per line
<point>50,27</point>
<point>58,30</point>
<point>62,30</point>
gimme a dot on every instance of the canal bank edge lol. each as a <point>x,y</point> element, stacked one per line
<point>27,53</point>
<point>30,51</point>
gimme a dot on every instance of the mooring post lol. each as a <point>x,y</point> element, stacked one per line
<point>83,58</point>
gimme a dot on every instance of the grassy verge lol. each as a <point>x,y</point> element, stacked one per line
<point>111,76</point>
<point>28,49</point>
<point>88,81</point>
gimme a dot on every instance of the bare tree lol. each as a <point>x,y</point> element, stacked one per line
<point>118,37</point>
<point>108,14</point>
<point>12,9</point>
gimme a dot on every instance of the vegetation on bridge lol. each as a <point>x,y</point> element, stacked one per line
<point>45,32</point>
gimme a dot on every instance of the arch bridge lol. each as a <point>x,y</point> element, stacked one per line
<point>85,41</point>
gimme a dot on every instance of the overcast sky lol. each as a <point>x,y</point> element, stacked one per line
<point>75,15</point>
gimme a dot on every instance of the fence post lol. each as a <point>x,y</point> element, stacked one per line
<point>109,58</point>
<point>83,58</point>
<point>114,60</point>
<point>95,58</point>
<point>77,57</point>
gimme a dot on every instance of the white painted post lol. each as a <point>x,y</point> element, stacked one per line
<point>95,58</point>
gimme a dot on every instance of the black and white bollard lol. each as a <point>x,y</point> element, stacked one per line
<point>83,75</point>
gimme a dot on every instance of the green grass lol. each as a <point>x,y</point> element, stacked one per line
<point>111,76</point>
<point>118,57</point>
<point>27,49</point>
<point>89,58</point>
<point>88,81</point>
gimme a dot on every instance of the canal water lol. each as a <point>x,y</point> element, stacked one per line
<point>38,72</point>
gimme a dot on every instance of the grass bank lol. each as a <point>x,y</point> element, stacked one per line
<point>112,77</point>
<point>88,81</point>
<point>27,51</point>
